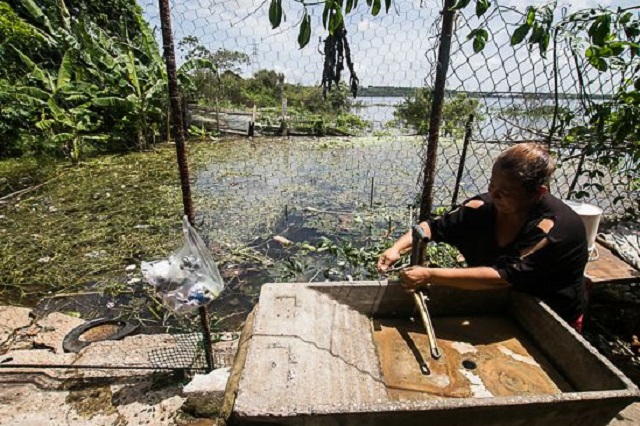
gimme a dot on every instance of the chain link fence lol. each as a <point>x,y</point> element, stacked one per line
<point>516,94</point>
<point>513,93</point>
<point>323,208</point>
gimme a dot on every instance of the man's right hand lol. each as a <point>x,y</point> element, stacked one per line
<point>388,258</point>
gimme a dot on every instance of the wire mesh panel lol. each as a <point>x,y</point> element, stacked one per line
<point>387,50</point>
<point>325,183</point>
<point>186,351</point>
<point>514,93</point>
<point>519,94</point>
<point>349,196</point>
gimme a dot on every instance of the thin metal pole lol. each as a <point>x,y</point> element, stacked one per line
<point>181,152</point>
<point>176,107</point>
<point>435,118</point>
<point>206,337</point>
<point>463,159</point>
<point>91,367</point>
<point>371,195</point>
<point>555,89</point>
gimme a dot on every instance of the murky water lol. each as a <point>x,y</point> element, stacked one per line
<point>482,357</point>
<point>252,189</point>
<point>337,200</point>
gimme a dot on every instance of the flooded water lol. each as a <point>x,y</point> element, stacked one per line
<point>254,189</point>
<point>500,117</point>
<point>339,202</point>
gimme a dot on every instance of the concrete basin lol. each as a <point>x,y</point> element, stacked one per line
<point>348,353</point>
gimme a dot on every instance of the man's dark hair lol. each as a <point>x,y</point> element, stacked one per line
<point>530,163</point>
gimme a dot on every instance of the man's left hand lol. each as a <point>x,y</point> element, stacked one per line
<point>414,277</point>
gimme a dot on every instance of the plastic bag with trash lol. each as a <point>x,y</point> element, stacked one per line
<point>188,278</point>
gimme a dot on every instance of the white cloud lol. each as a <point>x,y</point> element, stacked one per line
<point>388,49</point>
<point>366,25</point>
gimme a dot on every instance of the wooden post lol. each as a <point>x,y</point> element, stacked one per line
<point>252,123</point>
<point>217,115</point>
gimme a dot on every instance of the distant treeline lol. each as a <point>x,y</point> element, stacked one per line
<point>386,91</point>
<point>399,91</point>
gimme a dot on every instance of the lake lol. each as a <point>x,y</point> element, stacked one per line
<point>495,123</point>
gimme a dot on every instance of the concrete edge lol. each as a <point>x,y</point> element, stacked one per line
<point>231,391</point>
<point>614,401</point>
<point>560,323</point>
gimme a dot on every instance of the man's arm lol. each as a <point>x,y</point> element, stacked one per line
<point>478,278</point>
<point>392,254</point>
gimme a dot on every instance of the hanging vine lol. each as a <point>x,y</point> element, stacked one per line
<point>336,50</point>
<point>336,46</point>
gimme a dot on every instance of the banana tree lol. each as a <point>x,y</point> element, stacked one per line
<point>134,85</point>
<point>103,88</point>
<point>65,114</point>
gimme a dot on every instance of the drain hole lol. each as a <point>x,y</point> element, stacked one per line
<point>469,365</point>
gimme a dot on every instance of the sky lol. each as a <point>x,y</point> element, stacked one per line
<point>392,49</point>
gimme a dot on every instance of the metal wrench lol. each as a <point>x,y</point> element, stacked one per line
<point>419,239</point>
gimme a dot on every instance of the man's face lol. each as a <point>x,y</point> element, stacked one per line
<point>508,194</point>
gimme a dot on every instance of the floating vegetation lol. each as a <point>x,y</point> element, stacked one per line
<point>75,243</point>
<point>535,111</point>
<point>88,224</point>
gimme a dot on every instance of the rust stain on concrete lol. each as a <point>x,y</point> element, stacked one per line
<point>501,360</point>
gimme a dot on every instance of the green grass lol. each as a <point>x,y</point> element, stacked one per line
<point>87,223</point>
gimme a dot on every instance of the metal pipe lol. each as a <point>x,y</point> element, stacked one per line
<point>419,239</point>
<point>181,152</point>
<point>95,367</point>
<point>206,337</point>
<point>176,107</point>
<point>371,195</point>
<point>435,117</point>
<point>463,159</point>
<point>421,302</point>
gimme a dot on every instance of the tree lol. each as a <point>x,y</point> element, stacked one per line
<point>605,38</point>
<point>204,84</point>
<point>415,110</point>
<point>16,32</point>
<point>223,59</point>
<point>336,45</point>
<point>87,88</point>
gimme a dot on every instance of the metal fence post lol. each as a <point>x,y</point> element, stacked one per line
<point>181,153</point>
<point>176,107</point>
<point>435,118</point>
<point>463,159</point>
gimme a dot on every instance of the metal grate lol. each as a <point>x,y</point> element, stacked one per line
<point>187,353</point>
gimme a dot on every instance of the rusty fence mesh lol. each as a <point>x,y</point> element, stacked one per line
<point>514,93</point>
<point>517,95</point>
<point>314,207</point>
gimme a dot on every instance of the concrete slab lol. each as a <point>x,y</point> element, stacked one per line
<point>53,328</point>
<point>609,269</point>
<point>100,397</point>
<point>137,404</point>
<point>311,361</point>
<point>205,393</point>
<point>11,319</point>
<point>313,355</point>
<point>146,351</point>
<point>627,417</point>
